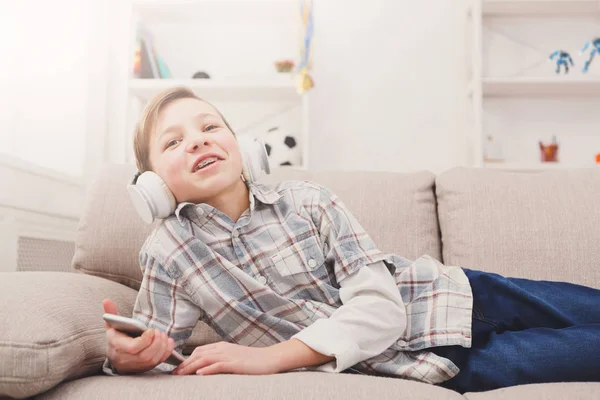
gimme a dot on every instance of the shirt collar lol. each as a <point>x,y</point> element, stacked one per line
<point>179,208</point>
<point>262,193</point>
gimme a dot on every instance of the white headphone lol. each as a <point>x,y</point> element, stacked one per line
<point>152,198</point>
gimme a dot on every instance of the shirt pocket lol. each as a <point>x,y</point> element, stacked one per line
<point>299,271</point>
<point>301,257</point>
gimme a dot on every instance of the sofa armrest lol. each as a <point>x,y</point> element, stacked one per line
<point>52,328</point>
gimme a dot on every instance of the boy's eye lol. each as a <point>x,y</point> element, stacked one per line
<point>211,127</point>
<point>170,143</point>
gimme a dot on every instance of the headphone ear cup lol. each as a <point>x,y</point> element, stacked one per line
<point>254,158</point>
<point>151,197</point>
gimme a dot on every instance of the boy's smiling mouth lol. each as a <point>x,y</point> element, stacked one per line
<point>204,161</point>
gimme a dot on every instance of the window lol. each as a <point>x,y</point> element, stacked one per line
<point>44,82</point>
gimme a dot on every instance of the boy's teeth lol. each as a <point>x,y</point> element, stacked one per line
<point>205,162</point>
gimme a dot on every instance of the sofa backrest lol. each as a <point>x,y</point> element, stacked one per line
<point>530,224</point>
<point>397,210</point>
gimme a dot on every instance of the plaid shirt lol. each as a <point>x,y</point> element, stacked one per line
<point>261,280</point>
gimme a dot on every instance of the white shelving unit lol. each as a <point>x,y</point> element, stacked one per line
<point>484,88</point>
<point>218,90</point>
<point>563,86</point>
<point>248,95</point>
<point>534,166</point>
<point>539,7</point>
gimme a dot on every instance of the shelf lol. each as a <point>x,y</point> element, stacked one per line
<point>215,90</point>
<point>540,7</point>
<point>559,85</point>
<point>207,10</point>
<point>538,166</point>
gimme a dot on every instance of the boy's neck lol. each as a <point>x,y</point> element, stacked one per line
<point>232,201</point>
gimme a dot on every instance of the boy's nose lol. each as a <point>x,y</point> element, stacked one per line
<point>194,145</point>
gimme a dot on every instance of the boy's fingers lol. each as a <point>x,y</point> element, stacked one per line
<point>109,308</point>
<point>115,339</point>
<point>130,345</point>
<point>164,345</point>
<point>196,364</point>
<point>155,351</point>
<point>170,347</point>
<point>145,340</point>
<point>184,367</point>
<point>186,363</point>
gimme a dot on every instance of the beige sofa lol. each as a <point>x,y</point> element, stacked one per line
<point>542,225</point>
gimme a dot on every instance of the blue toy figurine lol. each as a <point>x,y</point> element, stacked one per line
<point>564,58</point>
<point>596,49</point>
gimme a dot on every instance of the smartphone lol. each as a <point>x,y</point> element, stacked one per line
<point>135,328</point>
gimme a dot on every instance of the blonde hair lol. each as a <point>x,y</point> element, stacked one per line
<point>147,123</point>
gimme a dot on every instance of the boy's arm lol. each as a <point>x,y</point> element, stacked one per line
<point>163,304</point>
<point>373,315</point>
<point>371,319</point>
<point>368,322</point>
<point>345,244</point>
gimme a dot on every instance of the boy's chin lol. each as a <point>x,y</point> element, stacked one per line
<point>212,186</point>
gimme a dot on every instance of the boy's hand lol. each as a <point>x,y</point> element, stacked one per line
<point>140,354</point>
<point>224,357</point>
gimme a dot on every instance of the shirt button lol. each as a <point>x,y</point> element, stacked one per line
<point>200,211</point>
<point>262,280</point>
<point>309,306</point>
<point>312,263</point>
<point>235,233</point>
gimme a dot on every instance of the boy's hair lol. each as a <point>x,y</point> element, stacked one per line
<point>147,123</point>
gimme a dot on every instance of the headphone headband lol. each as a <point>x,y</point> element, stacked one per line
<point>135,177</point>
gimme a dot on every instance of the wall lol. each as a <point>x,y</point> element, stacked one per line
<point>391,84</point>
<point>390,75</point>
<point>45,82</point>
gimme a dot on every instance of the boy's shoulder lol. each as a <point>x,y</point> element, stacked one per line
<point>168,234</point>
<point>295,187</point>
<point>300,192</point>
<point>165,237</point>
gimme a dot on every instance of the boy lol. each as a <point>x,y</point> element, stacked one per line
<point>291,280</point>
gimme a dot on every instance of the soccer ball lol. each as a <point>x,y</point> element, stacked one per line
<point>283,149</point>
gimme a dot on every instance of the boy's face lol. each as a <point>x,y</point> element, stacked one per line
<point>186,131</point>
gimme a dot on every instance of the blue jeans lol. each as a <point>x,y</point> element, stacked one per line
<point>527,331</point>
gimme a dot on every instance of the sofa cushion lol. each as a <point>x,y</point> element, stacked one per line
<point>397,210</point>
<point>289,386</point>
<point>110,232</point>
<point>530,224</point>
<point>52,329</point>
<point>542,391</point>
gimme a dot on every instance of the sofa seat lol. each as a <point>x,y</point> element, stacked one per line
<point>289,386</point>
<point>296,385</point>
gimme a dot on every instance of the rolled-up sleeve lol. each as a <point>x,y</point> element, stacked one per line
<point>370,320</point>
<point>345,243</point>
